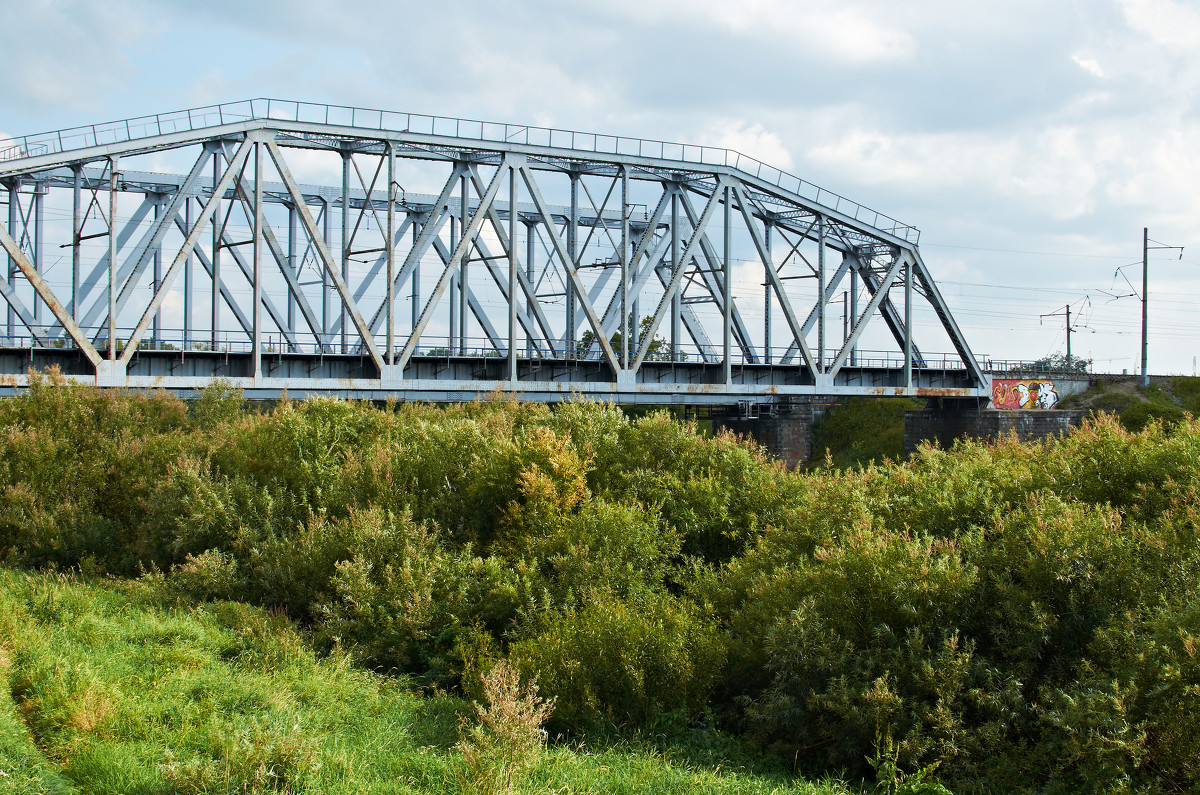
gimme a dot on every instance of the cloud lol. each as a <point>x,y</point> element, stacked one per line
<point>1088,65</point>
<point>71,53</point>
<point>1016,126</point>
<point>839,31</point>
<point>1165,22</point>
<point>753,140</point>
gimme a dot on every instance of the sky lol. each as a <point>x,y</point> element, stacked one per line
<point>1030,141</point>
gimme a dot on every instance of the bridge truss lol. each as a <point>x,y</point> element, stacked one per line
<point>286,246</point>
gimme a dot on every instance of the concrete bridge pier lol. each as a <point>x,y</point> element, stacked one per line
<point>786,433</point>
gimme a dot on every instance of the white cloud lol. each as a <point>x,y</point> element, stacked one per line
<point>71,53</point>
<point>1068,133</point>
<point>1088,65</point>
<point>842,31</point>
<point>1166,22</point>
<point>753,140</point>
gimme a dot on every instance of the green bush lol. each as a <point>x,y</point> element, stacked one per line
<point>862,431</point>
<point>865,639</point>
<point>618,664</point>
<point>1006,612</point>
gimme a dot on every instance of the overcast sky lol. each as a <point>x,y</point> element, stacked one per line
<point>1030,142</point>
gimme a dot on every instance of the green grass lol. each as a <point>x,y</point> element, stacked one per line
<point>1136,406</point>
<point>116,689</point>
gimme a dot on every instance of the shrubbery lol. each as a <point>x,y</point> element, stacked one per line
<point>1022,616</point>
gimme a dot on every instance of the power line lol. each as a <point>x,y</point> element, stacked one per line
<point>1019,251</point>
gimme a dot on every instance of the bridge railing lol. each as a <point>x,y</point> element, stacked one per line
<point>345,115</point>
<point>277,344</point>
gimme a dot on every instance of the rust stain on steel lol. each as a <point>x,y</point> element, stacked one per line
<point>937,391</point>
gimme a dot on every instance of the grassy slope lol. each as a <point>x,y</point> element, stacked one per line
<point>1135,406</point>
<point>114,690</point>
<point>869,430</point>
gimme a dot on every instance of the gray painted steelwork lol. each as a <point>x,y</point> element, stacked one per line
<point>549,264</point>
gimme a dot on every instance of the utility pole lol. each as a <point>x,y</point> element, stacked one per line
<point>1145,295</point>
<point>1146,249</point>
<point>1067,310</point>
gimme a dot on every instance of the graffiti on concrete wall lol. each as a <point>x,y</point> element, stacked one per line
<point>1024,394</point>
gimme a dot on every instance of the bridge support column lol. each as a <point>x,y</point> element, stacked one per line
<point>786,436</point>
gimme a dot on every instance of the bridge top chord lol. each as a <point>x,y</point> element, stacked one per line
<point>278,110</point>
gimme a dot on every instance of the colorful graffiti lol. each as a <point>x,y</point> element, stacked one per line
<point>1013,394</point>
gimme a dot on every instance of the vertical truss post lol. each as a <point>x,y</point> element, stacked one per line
<point>187,280</point>
<point>217,226</point>
<point>291,261</point>
<point>463,285</point>
<point>391,254</point>
<point>675,306</point>
<point>112,260</point>
<point>822,296</point>
<point>327,238</point>
<point>416,276</point>
<point>853,311</point>
<point>530,252</point>
<point>452,291</point>
<point>624,268</point>
<point>573,264</point>
<point>908,341</point>
<point>76,233</point>
<point>512,276</point>
<point>39,262</point>
<point>257,315</point>
<point>345,243</point>
<point>14,188</point>
<point>727,288</point>
<point>156,271</point>
<point>768,265</point>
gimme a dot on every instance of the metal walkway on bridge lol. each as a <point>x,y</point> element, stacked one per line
<point>320,249</point>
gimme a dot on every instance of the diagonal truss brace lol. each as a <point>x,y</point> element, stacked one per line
<point>47,295</point>
<point>860,323</point>
<point>760,244</point>
<point>429,230</point>
<point>741,334</point>
<point>581,292</point>
<point>460,251</point>
<point>934,296</point>
<point>323,252</point>
<point>680,267</point>
<point>193,237</point>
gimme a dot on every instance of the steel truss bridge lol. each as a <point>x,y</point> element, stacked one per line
<point>219,243</point>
